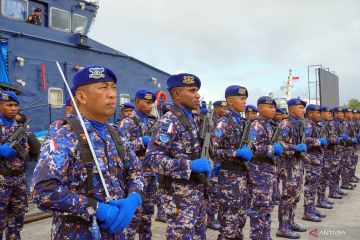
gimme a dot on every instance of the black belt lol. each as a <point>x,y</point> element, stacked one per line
<point>75,220</point>
<point>236,165</point>
<point>11,173</point>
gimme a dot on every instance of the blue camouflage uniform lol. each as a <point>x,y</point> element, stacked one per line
<point>312,165</point>
<point>291,172</point>
<point>232,177</point>
<point>13,199</point>
<point>349,154</point>
<point>134,128</point>
<point>170,153</point>
<point>69,186</point>
<point>262,175</point>
<point>59,179</point>
<point>339,154</point>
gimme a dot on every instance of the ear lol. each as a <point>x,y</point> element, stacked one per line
<point>229,101</point>
<point>81,97</point>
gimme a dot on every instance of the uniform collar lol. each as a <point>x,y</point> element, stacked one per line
<point>8,122</point>
<point>188,112</point>
<point>141,115</point>
<point>295,119</point>
<point>236,115</point>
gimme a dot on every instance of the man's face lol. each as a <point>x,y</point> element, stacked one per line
<point>326,115</point>
<point>9,108</point>
<point>37,14</point>
<point>285,116</point>
<point>144,106</point>
<point>127,112</point>
<point>237,103</point>
<point>187,97</point>
<point>278,116</point>
<point>219,111</point>
<point>348,115</point>
<point>267,111</point>
<point>339,115</point>
<point>98,99</point>
<point>314,115</point>
<point>297,111</point>
<point>250,115</point>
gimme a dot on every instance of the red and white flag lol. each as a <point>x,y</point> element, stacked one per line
<point>295,78</point>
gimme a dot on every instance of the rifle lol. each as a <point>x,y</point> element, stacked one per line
<point>302,136</point>
<point>322,134</point>
<point>16,138</point>
<point>245,139</point>
<point>275,139</point>
<point>205,138</point>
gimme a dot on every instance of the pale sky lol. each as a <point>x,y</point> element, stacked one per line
<point>249,43</point>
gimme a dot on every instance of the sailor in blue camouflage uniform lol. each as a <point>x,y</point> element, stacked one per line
<point>234,160</point>
<point>278,117</point>
<point>212,204</point>
<point>251,112</point>
<point>66,181</point>
<point>137,130</point>
<point>354,160</point>
<point>161,214</point>
<point>291,168</point>
<point>313,162</point>
<point>330,163</point>
<point>174,153</point>
<point>339,154</point>
<point>349,154</point>
<point>13,199</point>
<point>356,117</point>
<point>263,171</point>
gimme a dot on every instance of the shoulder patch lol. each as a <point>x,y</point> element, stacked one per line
<point>164,138</point>
<point>285,132</point>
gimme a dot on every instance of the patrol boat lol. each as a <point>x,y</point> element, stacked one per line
<point>28,54</point>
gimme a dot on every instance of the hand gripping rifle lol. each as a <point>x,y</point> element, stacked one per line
<point>245,139</point>
<point>322,134</point>
<point>86,133</point>
<point>17,137</point>
<point>205,137</point>
<point>275,138</point>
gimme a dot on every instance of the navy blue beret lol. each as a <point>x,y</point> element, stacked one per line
<point>325,109</point>
<point>128,105</point>
<point>338,109</point>
<point>8,96</point>
<point>296,101</point>
<point>266,100</point>
<point>279,110</point>
<point>146,94</point>
<point>312,107</point>
<point>183,80</point>
<point>68,102</point>
<point>345,110</point>
<point>93,74</point>
<point>251,108</point>
<point>220,104</point>
<point>236,90</point>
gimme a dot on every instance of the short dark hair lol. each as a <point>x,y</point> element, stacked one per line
<point>37,10</point>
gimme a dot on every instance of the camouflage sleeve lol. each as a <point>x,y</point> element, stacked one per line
<point>127,128</point>
<point>330,136</point>
<point>165,152</point>
<point>285,137</point>
<point>221,131</point>
<point>133,174</point>
<point>259,137</point>
<point>310,140</point>
<point>48,188</point>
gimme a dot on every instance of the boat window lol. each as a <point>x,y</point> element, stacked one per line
<point>56,97</point>
<point>60,19</point>
<point>16,9</point>
<point>79,23</point>
<point>124,98</point>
